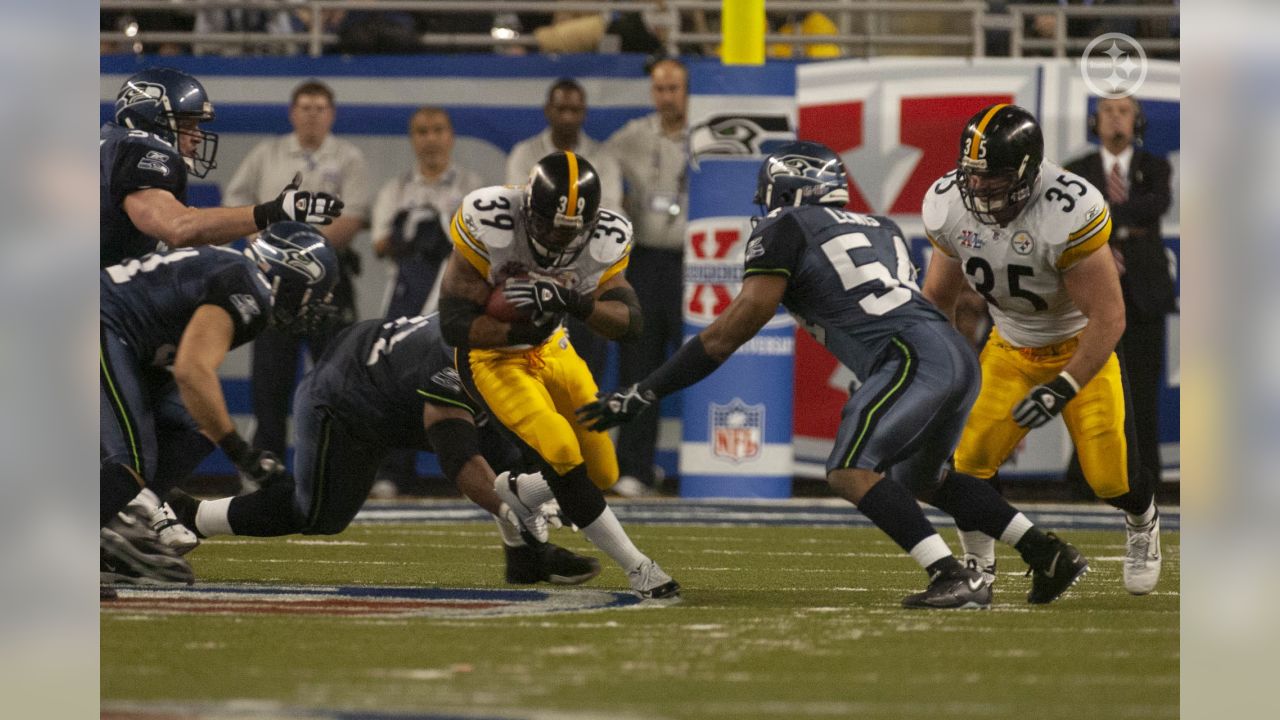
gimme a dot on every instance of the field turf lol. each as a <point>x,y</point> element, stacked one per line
<point>776,622</point>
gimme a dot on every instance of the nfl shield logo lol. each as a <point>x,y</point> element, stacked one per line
<point>737,430</point>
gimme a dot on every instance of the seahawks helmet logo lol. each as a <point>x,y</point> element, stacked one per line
<point>138,93</point>
<point>302,261</point>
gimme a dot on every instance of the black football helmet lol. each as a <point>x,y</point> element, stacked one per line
<point>561,207</point>
<point>801,173</point>
<point>156,99</point>
<point>302,270</point>
<point>1001,149</point>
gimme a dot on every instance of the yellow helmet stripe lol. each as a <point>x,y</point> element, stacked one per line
<point>573,184</point>
<point>982,128</point>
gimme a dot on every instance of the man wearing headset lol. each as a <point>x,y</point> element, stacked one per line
<point>1136,183</point>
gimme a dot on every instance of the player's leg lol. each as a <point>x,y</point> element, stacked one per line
<point>1105,438</point>
<point>182,447</point>
<point>455,440</point>
<point>935,410</point>
<point>870,438</point>
<point>571,387</point>
<point>274,371</point>
<point>514,388</point>
<point>990,434</point>
<point>130,550</point>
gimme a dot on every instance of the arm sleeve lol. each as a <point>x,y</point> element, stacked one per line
<point>246,299</point>
<point>141,166</point>
<point>776,247</point>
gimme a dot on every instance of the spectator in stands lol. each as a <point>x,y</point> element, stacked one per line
<point>653,156</point>
<point>245,20</point>
<point>377,32</point>
<point>815,23</point>
<point>566,110</point>
<point>410,227</point>
<point>327,164</point>
<point>1136,184</point>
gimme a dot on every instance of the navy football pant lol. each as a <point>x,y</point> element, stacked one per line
<point>906,418</point>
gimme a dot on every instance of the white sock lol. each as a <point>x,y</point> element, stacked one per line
<point>978,544</point>
<point>510,533</point>
<point>1142,520</point>
<point>606,533</point>
<point>211,517</point>
<point>533,490</point>
<point>930,550</point>
<point>1017,527</point>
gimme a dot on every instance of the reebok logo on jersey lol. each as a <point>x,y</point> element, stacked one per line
<point>247,306</point>
<point>155,161</point>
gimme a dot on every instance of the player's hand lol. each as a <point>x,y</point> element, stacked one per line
<point>316,208</point>
<point>1044,402</point>
<point>546,297</point>
<point>262,466</point>
<point>615,408</point>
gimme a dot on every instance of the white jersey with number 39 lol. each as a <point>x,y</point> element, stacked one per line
<point>489,231</point>
<point>1018,267</point>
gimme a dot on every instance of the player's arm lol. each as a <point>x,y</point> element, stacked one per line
<point>463,322</point>
<point>1093,284</point>
<point>943,282</point>
<point>455,441</point>
<point>204,345</point>
<point>696,359</point>
<point>157,213</point>
<point>615,310</point>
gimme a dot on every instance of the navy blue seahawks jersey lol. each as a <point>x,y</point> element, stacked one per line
<point>378,375</point>
<point>132,160</point>
<point>148,301</point>
<point>850,281</point>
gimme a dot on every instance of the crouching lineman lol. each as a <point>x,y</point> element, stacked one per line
<point>848,280</point>
<point>1032,238</point>
<point>168,320</point>
<point>555,252</point>
<point>382,386</point>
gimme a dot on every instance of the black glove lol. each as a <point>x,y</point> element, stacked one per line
<point>1044,402</point>
<point>261,466</point>
<point>317,208</point>
<point>545,296</point>
<point>613,409</point>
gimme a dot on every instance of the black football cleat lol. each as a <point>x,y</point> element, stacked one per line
<point>546,562</point>
<point>959,589</point>
<point>1062,567</point>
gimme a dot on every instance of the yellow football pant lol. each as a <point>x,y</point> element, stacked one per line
<point>534,394</point>
<point>1094,417</point>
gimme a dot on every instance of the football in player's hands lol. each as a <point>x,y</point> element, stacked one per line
<point>500,308</point>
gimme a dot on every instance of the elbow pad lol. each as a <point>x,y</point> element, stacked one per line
<point>635,318</point>
<point>456,316</point>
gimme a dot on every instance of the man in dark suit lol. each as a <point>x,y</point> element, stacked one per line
<point>1136,184</point>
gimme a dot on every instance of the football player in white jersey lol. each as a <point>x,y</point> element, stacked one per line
<point>554,251</point>
<point>1032,239</point>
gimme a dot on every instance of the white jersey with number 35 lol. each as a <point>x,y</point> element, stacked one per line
<point>1018,267</point>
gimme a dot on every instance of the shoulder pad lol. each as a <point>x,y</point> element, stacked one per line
<point>938,201</point>
<point>611,239</point>
<point>489,215</point>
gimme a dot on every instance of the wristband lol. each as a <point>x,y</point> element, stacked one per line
<point>235,447</point>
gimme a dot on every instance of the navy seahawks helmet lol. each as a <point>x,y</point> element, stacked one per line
<point>156,99</point>
<point>561,207</point>
<point>1001,149</point>
<point>302,270</point>
<point>801,173</point>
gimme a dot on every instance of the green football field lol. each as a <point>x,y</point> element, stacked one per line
<point>776,622</point>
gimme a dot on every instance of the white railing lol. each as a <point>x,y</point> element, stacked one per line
<point>875,15</point>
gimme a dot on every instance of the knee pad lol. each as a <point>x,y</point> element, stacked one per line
<point>581,501</point>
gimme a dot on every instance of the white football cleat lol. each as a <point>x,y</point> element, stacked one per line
<point>161,519</point>
<point>1142,557</point>
<point>651,583</point>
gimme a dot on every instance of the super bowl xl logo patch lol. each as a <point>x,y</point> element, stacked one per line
<point>737,430</point>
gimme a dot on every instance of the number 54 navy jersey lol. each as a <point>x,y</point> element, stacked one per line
<point>850,281</point>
